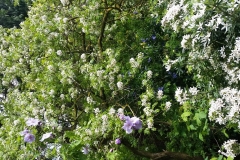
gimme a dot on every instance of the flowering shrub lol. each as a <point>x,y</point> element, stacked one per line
<point>121,80</point>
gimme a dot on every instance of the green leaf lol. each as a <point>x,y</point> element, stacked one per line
<point>201,115</point>
<point>230,158</point>
<point>220,157</point>
<point>200,136</point>
<point>185,115</point>
<point>224,132</point>
<point>192,127</point>
<point>69,134</point>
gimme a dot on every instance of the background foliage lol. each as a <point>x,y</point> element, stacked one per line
<point>12,13</point>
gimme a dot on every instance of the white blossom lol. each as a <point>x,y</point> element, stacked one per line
<point>65,2</point>
<point>46,136</point>
<point>228,148</point>
<point>168,106</point>
<point>59,52</point>
<point>96,111</point>
<point>159,94</point>
<point>120,85</point>
<point>193,90</point>
<point>185,40</point>
<point>112,111</point>
<point>149,74</point>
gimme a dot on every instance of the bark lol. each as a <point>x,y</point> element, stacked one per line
<point>161,155</point>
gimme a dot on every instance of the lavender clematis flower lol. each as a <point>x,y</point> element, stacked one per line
<point>23,133</point>
<point>128,126</point>
<point>29,138</point>
<point>121,117</point>
<point>154,37</point>
<point>32,122</point>
<point>118,141</point>
<point>46,136</point>
<point>137,123</point>
<point>86,150</point>
<point>131,123</point>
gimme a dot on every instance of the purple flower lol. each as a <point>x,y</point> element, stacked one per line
<point>29,138</point>
<point>86,149</point>
<point>118,141</point>
<point>149,59</point>
<point>143,40</point>
<point>32,122</point>
<point>121,116</point>
<point>128,126</point>
<point>174,75</point>
<point>137,123</point>
<point>46,136</point>
<point>160,88</point>
<point>154,37</point>
<point>132,123</point>
<point>23,133</point>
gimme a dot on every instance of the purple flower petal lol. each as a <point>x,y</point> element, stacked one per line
<point>85,150</point>
<point>32,122</point>
<point>29,138</point>
<point>154,37</point>
<point>137,123</point>
<point>23,133</point>
<point>121,116</point>
<point>118,141</point>
<point>128,126</point>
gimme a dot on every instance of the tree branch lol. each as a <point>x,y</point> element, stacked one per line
<point>104,22</point>
<point>161,155</point>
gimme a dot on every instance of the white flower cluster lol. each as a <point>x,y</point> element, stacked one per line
<point>193,90</point>
<point>185,40</point>
<point>169,64</point>
<point>235,53</point>
<point>148,111</point>
<point>144,100</point>
<point>229,146</point>
<point>83,57</point>
<point>120,85</point>
<point>150,123</point>
<point>233,74</point>
<point>104,126</point>
<point>90,100</point>
<point>168,106</point>
<point>173,11</point>
<point>64,2</point>
<point>134,63</point>
<point>159,94</point>
<point>149,74</point>
<point>182,96</point>
<point>226,109</point>
<point>112,111</point>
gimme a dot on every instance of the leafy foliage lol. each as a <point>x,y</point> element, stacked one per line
<point>76,71</point>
